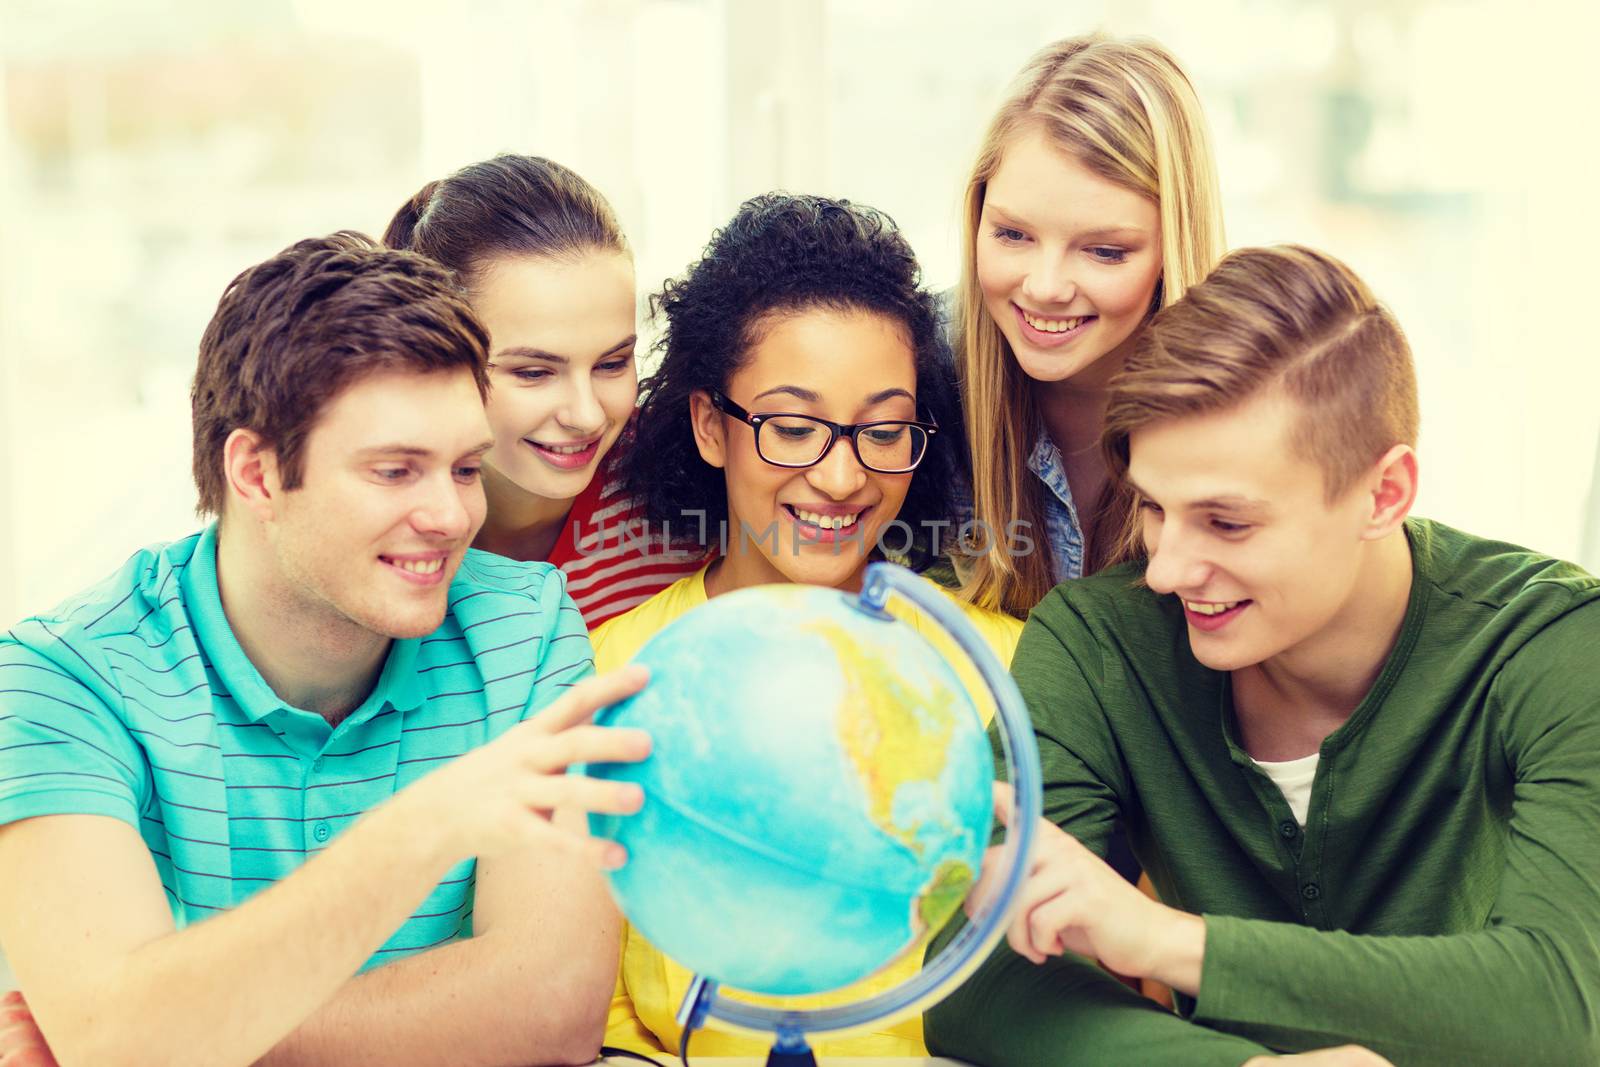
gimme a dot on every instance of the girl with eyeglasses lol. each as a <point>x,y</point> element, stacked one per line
<point>794,431</point>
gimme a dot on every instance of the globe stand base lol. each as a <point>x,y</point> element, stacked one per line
<point>790,1050</point>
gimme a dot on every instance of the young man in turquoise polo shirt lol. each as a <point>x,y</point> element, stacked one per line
<point>1358,752</point>
<point>285,791</point>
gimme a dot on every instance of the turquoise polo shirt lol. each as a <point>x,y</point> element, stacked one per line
<point>135,701</point>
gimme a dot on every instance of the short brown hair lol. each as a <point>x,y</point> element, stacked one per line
<point>1287,317</point>
<point>290,333</point>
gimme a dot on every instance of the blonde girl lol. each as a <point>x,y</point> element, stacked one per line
<point>1093,203</point>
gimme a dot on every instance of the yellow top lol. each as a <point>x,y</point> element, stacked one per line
<point>650,987</point>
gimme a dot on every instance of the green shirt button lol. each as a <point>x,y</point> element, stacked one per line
<point>321,831</point>
<point>1310,891</point>
<point>316,764</point>
<point>1289,828</point>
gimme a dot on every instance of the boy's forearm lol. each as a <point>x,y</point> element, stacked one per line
<point>1182,952</point>
<point>1496,996</point>
<point>464,1004</point>
<point>226,990</point>
<point>531,985</point>
<point>1013,1013</point>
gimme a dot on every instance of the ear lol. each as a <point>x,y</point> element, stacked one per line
<point>707,424</point>
<point>1393,487</point>
<point>251,469</point>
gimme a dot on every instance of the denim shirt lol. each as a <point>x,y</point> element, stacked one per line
<point>1062,530</point>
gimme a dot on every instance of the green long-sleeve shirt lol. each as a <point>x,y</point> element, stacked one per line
<point>1442,904</point>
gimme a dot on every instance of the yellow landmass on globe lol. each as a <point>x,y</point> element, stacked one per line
<point>894,733</point>
<point>951,881</point>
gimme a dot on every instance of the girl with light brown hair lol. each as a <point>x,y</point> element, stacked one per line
<point>548,272</point>
<point>1093,203</point>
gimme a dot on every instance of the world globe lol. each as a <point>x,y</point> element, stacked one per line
<point>818,797</point>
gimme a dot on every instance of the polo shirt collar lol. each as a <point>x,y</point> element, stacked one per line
<point>398,685</point>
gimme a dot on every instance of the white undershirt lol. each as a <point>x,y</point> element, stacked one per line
<point>1293,779</point>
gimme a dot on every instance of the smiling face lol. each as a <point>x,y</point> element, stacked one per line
<point>562,376</point>
<point>847,367</point>
<point>1067,261</point>
<point>390,501</point>
<point>1238,527</point>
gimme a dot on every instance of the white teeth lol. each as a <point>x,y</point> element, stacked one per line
<point>419,566</point>
<point>1054,325</point>
<point>566,450</point>
<point>1210,609</point>
<point>827,522</point>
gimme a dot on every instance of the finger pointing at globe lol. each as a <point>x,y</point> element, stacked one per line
<point>1073,901</point>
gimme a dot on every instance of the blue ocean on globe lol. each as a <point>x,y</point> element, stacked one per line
<point>817,802</point>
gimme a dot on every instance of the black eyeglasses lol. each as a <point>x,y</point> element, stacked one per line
<point>889,446</point>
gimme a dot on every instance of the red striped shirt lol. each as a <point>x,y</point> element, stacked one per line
<point>613,558</point>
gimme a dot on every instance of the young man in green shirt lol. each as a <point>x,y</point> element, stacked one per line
<point>1357,752</point>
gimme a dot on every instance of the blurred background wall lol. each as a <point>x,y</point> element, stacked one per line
<point>149,151</point>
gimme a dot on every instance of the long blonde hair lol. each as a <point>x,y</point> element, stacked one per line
<point>1125,110</point>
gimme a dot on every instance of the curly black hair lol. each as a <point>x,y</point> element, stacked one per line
<point>782,253</point>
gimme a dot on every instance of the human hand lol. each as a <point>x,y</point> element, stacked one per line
<point>500,797</point>
<point>1073,901</point>
<point>1343,1056</point>
<point>21,1042</point>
